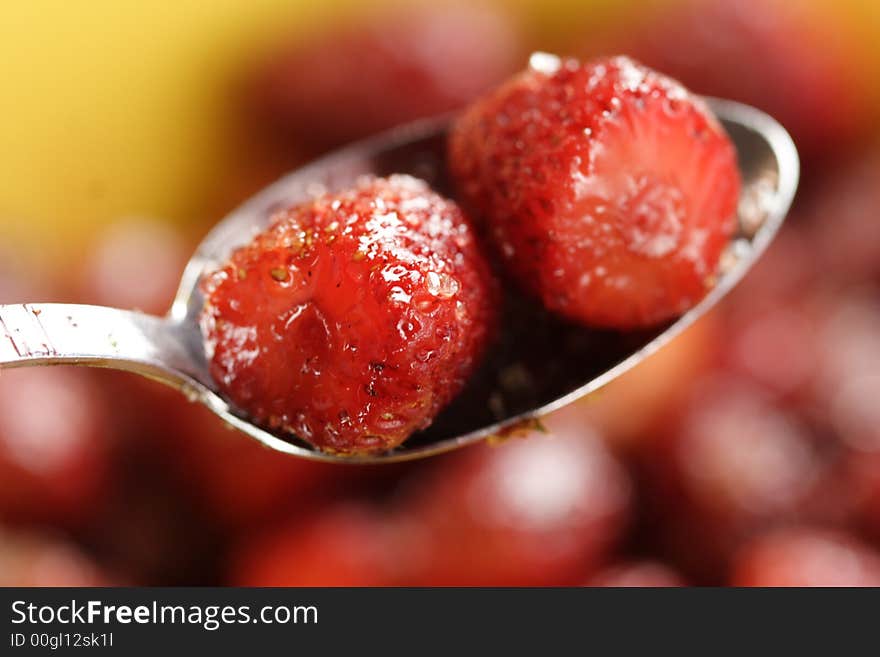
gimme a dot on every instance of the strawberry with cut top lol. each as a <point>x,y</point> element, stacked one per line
<point>609,191</point>
<point>354,318</point>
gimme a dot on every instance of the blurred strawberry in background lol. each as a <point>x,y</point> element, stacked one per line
<point>55,440</point>
<point>546,509</point>
<point>34,559</point>
<point>807,557</point>
<point>149,529</point>
<point>346,544</point>
<point>56,432</point>
<point>396,64</point>
<point>865,469</point>
<point>848,363</point>
<point>843,219</point>
<point>769,330</point>
<point>795,60</point>
<point>652,574</point>
<point>237,481</point>
<point>730,465</point>
<point>543,509</point>
<point>136,264</point>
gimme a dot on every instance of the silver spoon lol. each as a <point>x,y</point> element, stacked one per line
<point>541,363</point>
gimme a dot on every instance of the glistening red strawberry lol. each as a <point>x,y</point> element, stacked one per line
<point>608,189</point>
<point>354,319</point>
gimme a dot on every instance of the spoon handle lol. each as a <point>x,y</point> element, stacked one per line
<point>54,334</point>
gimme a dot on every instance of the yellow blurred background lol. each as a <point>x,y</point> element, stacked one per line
<point>118,108</point>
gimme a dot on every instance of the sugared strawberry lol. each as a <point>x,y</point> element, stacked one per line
<point>354,319</point>
<point>538,510</point>
<point>652,574</point>
<point>807,557</point>
<point>798,61</point>
<point>399,64</point>
<point>609,191</point>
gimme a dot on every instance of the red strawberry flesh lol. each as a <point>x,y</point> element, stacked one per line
<point>609,190</point>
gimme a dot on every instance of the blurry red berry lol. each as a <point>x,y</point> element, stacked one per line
<point>608,190</point>
<point>355,318</point>
<point>864,468</point>
<point>342,545</point>
<point>733,464</point>
<point>135,264</point>
<point>540,510</point>
<point>40,560</point>
<point>737,454</point>
<point>847,356</point>
<point>801,64</point>
<point>54,445</point>
<point>773,348</point>
<point>780,274</point>
<point>237,481</point>
<point>396,65</point>
<point>653,574</point>
<point>843,222</point>
<point>806,557</point>
<point>770,325</point>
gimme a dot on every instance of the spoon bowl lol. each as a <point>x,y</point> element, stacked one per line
<point>540,363</point>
